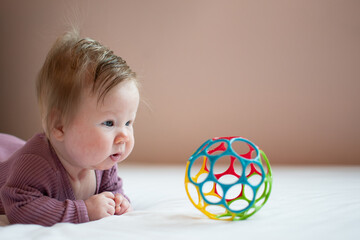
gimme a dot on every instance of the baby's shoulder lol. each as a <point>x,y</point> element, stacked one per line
<point>33,167</point>
<point>36,155</point>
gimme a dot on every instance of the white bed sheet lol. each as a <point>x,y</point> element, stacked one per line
<point>305,203</point>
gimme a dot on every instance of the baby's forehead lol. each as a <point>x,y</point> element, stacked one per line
<point>127,88</point>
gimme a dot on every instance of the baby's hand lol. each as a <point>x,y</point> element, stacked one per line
<point>100,205</point>
<point>122,205</point>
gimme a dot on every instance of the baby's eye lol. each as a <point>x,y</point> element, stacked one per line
<point>108,123</point>
<point>128,123</point>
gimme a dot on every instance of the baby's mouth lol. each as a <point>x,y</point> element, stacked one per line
<point>115,157</point>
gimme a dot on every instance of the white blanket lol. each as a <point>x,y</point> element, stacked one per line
<point>305,203</point>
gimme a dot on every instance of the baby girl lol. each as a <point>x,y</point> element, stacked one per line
<point>88,99</point>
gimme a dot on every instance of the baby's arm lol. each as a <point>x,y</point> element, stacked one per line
<point>34,193</point>
<point>30,206</point>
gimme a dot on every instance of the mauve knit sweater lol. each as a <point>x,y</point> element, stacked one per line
<point>35,189</point>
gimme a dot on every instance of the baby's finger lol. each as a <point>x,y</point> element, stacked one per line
<point>117,210</point>
<point>119,199</point>
<point>125,206</point>
<point>108,195</point>
<point>110,210</point>
<point>111,202</point>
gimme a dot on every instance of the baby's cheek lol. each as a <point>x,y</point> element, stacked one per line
<point>94,147</point>
<point>86,143</point>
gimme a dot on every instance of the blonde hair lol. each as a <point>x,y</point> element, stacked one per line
<point>72,65</point>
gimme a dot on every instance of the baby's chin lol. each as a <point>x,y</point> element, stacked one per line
<point>104,166</point>
<point>110,162</point>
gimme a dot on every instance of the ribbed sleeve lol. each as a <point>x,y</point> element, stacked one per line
<point>37,190</point>
<point>110,181</point>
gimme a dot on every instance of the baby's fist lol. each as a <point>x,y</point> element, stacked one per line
<point>100,205</point>
<point>122,205</point>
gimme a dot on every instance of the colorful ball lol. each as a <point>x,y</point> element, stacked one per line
<point>228,178</point>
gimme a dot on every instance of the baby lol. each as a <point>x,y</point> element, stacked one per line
<point>88,99</point>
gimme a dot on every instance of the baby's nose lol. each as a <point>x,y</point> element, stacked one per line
<point>121,138</point>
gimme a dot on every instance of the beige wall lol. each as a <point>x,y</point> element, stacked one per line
<point>284,74</point>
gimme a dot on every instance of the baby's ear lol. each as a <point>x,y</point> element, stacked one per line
<point>58,132</point>
<point>57,126</point>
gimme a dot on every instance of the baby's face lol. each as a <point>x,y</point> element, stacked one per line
<point>102,134</point>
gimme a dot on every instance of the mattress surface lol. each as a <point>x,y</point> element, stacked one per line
<point>319,202</point>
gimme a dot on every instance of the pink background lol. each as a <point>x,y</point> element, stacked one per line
<point>284,74</point>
